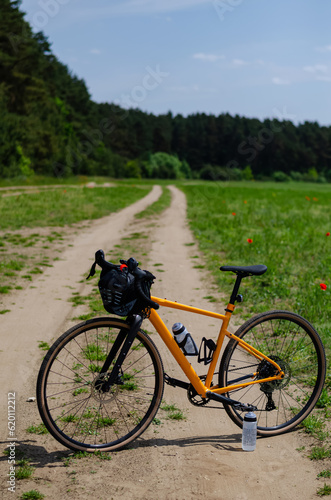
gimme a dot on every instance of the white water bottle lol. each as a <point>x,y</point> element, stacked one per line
<point>184,340</point>
<point>249,432</point>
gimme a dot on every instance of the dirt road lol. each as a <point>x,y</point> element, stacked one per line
<point>198,457</point>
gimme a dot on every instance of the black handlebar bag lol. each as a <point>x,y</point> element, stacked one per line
<point>117,290</point>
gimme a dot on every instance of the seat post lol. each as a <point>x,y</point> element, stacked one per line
<point>235,290</point>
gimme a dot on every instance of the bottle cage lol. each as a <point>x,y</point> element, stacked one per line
<point>208,346</point>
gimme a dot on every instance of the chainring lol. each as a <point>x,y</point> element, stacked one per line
<point>194,398</point>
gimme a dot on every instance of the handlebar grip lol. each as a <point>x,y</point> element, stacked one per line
<point>99,257</point>
<point>146,299</point>
<point>102,262</point>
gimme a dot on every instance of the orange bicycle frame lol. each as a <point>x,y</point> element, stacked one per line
<point>203,387</point>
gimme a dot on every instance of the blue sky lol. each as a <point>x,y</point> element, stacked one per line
<point>255,58</point>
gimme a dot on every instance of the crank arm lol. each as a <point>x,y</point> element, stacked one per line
<point>228,401</point>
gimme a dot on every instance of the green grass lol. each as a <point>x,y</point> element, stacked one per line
<point>314,426</point>
<point>320,453</point>
<point>288,233</point>
<point>61,207</point>
<point>326,490</point>
<point>158,206</point>
<point>44,346</point>
<point>24,469</point>
<point>176,415</point>
<point>173,412</point>
<point>32,495</point>
<point>79,455</point>
<point>325,473</point>
<point>37,429</point>
<point>69,418</point>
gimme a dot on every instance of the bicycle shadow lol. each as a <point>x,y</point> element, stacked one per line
<point>221,442</point>
<point>38,455</point>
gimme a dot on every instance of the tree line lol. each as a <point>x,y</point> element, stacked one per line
<point>49,125</point>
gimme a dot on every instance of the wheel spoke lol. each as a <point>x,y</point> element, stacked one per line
<point>295,346</point>
<point>71,394</point>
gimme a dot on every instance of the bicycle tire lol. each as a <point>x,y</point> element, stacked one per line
<point>74,411</point>
<point>296,346</point>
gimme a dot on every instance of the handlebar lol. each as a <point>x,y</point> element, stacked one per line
<point>146,299</point>
<point>133,268</point>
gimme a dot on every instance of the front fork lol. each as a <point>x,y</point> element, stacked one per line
<point>103,384</point>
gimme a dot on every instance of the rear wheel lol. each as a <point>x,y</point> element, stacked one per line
<point>72,404</point>
<point>293,343</point>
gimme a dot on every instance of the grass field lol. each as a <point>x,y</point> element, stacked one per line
<point>48,208</point>
<point>59,207</point>
<point>285,227</point>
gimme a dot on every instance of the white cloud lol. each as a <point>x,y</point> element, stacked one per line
<point>317,68</point>
<point>325,48</point>
<point>119,8</point>
<point>183,88</point>
<point>324,78</point>
<point>95,51</point>
<point>239,62</point>
<point>208,57</point>
<point>191,88</point>
<point>279,81</point>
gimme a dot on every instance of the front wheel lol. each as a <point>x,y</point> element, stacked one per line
<point>293,343</point>
<point>71,401</point>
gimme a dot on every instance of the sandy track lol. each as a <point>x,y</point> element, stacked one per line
<point>40,312</point>
<point>199,457</point>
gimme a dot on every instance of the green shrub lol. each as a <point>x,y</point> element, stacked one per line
<point>280,176</point>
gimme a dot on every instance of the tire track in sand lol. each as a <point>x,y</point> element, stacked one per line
<point>40,312</point>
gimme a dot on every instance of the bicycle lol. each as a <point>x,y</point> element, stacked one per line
<point>101,383</point>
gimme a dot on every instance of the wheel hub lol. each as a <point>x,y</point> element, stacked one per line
<point>101,392</point>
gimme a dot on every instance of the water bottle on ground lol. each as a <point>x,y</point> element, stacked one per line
<point>184,340</point>
<point>249,432</point>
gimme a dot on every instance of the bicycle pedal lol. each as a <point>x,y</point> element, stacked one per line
<point>243,407</point>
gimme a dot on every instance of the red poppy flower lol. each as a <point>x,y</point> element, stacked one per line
<point>327,234</point>
<point>323,286</point>
<point>245,201</point>
<point>307,198</point>
<point>249,240</point>
<point>233,213</point>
